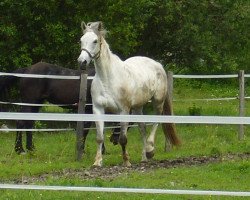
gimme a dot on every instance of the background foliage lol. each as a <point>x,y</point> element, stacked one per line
<point>207,36</point>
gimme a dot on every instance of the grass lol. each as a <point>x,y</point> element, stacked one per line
<point>55,152</point>
<point>231,175</point>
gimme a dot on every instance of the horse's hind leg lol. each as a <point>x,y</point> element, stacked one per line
<point>29,138</point>
<point>29,124</point>
<point>123,142</point>
<point>18,143</point>
<point>158,107</point>
<point>143,131</point>
<point>114,138</point>
<point>151,141</point>
<point>21,124</point>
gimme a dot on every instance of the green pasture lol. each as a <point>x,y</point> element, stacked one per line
<point>55,152</point>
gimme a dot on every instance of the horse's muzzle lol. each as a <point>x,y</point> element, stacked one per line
<point>83,65</point>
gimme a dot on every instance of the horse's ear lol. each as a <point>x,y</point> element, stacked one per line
<point>83,26</point>
<point>100,26</point>
<point>96,26</point>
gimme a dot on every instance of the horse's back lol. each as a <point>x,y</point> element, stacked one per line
<point>58,91</point>
<point>51,69</point>
<point>145,69</point>
<point>143,63</point>
<point>149,78</point>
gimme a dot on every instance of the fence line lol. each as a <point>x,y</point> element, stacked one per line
<point>208,99</point>
<point>63,129</point>
<point>126,118</point>
<point>125,190</point>
<point>89,104</point>
<point>206,76</point>
<point>91,77</point>
<point>36,130</point>
<point>36,104</point>
<point>42,76</point>
<point>241,78</point>
<point>39,105</point>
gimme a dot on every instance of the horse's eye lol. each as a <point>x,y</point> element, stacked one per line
<point>95,41</point>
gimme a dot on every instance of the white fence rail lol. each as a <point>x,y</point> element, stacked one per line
<point>206,76</point>
<point>126,190</point>
<point>126,118</point>
<point>241,77</point>
<point>42,76</point>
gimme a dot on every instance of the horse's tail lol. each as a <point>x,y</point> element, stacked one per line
<point>7,82</point>
<point>169,129</point>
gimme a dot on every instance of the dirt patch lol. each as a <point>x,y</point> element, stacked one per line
<point>111,172</point>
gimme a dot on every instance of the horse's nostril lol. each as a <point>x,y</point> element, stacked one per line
<point>83,65</point>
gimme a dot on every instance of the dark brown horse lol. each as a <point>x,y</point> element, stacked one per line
<point>55,91</point>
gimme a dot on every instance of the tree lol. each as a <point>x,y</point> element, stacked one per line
<point>208,36</point>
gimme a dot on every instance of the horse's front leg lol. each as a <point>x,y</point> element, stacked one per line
<point>99,137</point>
<point>29,138</point>
<point>19,142</point>
<point>100,142</point>
<point>123,142</point>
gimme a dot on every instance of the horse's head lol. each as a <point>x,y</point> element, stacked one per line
<point>90,43</point>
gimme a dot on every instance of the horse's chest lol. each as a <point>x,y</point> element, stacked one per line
<point>110,103</point>
<point>106,100</point>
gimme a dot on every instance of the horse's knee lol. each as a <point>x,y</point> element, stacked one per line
<point>123,140</point>
<point>99,139</point>
<point>114,138</point>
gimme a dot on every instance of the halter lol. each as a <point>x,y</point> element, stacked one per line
<point>96,56</point>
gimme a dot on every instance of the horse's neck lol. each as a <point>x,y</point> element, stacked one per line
<point>107,64</point>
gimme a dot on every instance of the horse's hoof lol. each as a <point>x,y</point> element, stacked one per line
<point>97,164</point>
<point>150,154</point>
<point>20,151</point>
<point>31,148</point>
<point>127,164</point>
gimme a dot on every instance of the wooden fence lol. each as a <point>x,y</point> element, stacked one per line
<point>241,77</point>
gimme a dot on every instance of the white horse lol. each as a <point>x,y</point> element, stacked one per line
<point>124,86</point>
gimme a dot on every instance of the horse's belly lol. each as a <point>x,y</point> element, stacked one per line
<point>140,99</point>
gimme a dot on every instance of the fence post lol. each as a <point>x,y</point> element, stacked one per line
<point>170,85</point>
<point>168,146</point>
<point>81,110</point>
<point>241,102</point>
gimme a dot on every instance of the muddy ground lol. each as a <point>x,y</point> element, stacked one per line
<point>111,172</point>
